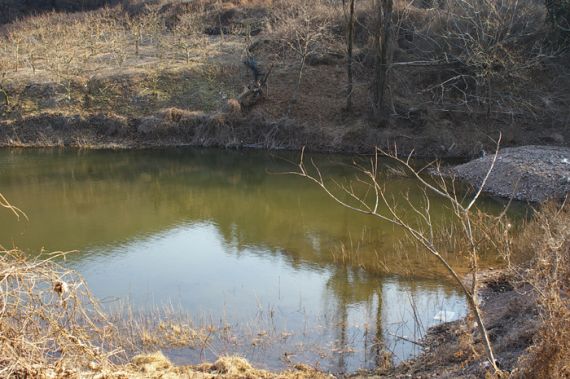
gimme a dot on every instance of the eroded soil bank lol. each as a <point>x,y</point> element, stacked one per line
<point>176,127</point>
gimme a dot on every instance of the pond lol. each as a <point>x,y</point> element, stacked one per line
<point>224,237</point>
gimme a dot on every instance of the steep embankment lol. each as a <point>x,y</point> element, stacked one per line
<point>165,73</point>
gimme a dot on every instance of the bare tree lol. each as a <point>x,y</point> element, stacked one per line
<point>307,30</point>
<point>474,230</point>
<point>479,54</point>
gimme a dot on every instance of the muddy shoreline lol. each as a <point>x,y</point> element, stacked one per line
<point>525,173</point>
<point>211,130</point>
<point>179,128</point>
<point>512,319</point>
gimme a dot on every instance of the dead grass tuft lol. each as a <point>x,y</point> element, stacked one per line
<point>151,362</point>
<point>232,366</point>
<point>237,367</point>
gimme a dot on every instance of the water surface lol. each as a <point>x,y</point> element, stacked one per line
<point>224,237</point>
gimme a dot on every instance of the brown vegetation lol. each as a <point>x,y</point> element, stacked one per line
<point>548,274</point>
<point>49,321</point>
<point>451,74</point>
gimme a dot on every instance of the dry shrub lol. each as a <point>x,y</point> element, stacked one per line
<point>549,274</point>
<point>488,51</point>
<point>300,22</point>
<point>49,319</point>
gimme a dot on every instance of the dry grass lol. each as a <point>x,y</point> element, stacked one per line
<point>110,60</point>
<point>49,320</point>
<point>549,275</point>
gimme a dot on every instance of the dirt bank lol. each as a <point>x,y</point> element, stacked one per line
<point>511,316</point>
<point>117,73</point>
<point>178,127</point>
<point>527,173</point>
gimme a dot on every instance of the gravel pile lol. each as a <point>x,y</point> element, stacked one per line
<point>527,173</point>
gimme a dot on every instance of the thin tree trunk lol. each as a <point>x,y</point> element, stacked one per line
<point>350,43</point>
<point>377,46</point>
<point>489,96</point>
<point>297,86</point>
<point>383,41</point>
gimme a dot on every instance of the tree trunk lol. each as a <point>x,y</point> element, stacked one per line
<point>297,86</point>
<point>383,42</point>
<point>349,58</point>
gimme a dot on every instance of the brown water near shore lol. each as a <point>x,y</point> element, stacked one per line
<point>227,240</point>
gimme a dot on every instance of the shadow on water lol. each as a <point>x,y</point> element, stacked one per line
<point>213,231</point>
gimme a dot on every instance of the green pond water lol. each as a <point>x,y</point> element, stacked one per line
<point>228,240</point>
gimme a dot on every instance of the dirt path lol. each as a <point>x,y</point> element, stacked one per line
<point>527,173</point>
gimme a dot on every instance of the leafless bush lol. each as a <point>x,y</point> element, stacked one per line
<point>475,231</point>
<point>479,52</point>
